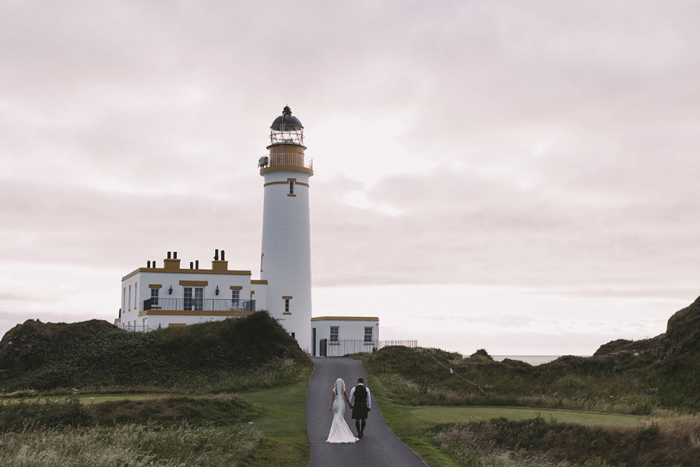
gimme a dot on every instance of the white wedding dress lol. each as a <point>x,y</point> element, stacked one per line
<point>340,432</point>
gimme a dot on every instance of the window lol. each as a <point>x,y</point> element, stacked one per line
<point>124,299</point>
<point>368,334</point>
<point>235,298</point>
<point>129,298</point>
<point>196,301</point>
<point>286,305</point>
<point>154,296</point>
<point>334,333</point>
<point>136,298</point>
<point>291,187</point>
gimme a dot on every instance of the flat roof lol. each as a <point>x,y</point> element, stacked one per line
<point>345,318</point>
<point>227,272</point>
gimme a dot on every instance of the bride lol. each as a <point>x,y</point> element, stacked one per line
<point>340,432</point>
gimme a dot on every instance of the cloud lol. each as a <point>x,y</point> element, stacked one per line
<point>545,145</point>
<point>461,226</point>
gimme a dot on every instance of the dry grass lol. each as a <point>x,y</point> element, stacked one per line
<point>129,445</point>
<point>477,443</point>
<point>685,428</point>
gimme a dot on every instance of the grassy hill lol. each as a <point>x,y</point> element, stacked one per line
<point>642,377</point>
<point>94,354</point>
<point>624,376</point>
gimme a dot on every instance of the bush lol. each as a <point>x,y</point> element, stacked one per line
<point>649,446</point>
<point>46,357</point>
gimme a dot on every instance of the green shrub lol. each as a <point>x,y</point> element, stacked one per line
<point>94,354</point>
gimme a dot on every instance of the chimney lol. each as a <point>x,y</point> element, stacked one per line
<point>171,263</point>
<point>191,265</point>
<point>154,264</point>
<point>196,264</point>
<point>148,265</point>
<point>219,265</point>
<point>223,255</point>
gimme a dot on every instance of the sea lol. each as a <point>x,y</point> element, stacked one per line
<point>533,360</point>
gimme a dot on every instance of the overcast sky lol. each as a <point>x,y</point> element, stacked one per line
<point>520,176</point>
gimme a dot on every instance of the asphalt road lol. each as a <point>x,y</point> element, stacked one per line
<point>378,448</point>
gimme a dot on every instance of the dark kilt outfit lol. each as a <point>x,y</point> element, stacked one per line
<point>359,408</point>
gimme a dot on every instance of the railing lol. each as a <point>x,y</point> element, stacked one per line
<point>348,346</point>
<point>413,344</point>
<point>136,328</point>
<point>286,159</point>
<point>198,304</point>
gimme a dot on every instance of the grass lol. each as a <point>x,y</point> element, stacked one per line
<point>472,442</point>
<point>646,377</point>
<point>179,389</point>
<point>86,399</point>
<point>263,427</point>
<point>283,424</point>
<point>480,436</point>
<point>398,418</point>
<point>422,377</point>
<point>95,356</point>
<point>425,417</point>
<point>132,446</point>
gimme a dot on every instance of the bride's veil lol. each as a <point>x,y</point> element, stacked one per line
<point>339,387</point>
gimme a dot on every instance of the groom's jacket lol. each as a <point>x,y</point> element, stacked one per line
<point>361,394</point>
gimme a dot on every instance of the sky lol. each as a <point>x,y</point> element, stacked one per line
<point>515,176</point>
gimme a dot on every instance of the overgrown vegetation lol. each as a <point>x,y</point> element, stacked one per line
<point>36,415</point>
<point>658,376</point>
<point>640,377</point>
<point>219,356</point>
<point>131,445</point>
<point>197,420</point>
<point>476,443</point>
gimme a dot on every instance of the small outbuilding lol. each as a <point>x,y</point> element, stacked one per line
<point>335,336</point>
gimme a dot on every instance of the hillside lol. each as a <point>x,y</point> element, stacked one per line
<point>96,354</point>
<point>626,376</point>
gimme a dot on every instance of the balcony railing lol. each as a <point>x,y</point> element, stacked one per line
<point>286,159</point>
<point>198,304</point>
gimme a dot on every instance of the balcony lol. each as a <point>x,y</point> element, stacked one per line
<point>285,160</point>
<point>219,306</point>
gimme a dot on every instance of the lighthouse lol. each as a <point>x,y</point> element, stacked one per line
<point>155,297</point>
<point>285,261</point>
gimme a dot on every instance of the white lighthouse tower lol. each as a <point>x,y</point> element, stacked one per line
<point>286,245</point>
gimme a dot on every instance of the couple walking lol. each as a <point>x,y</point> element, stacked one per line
<point>360,402</point>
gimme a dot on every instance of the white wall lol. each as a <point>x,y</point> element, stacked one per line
<point>286,249</point>
<point>260,296</point>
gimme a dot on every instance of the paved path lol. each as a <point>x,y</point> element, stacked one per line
<point>378,448</point>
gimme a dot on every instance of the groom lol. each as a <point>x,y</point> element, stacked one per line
<point>360,403</point>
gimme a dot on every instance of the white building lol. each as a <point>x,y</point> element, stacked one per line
<point>334,336</point>
<point>172,296</point>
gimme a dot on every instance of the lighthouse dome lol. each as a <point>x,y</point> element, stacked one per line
<point>286,121</point>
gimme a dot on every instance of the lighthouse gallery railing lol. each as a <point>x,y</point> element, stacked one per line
<point>289,159</point>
